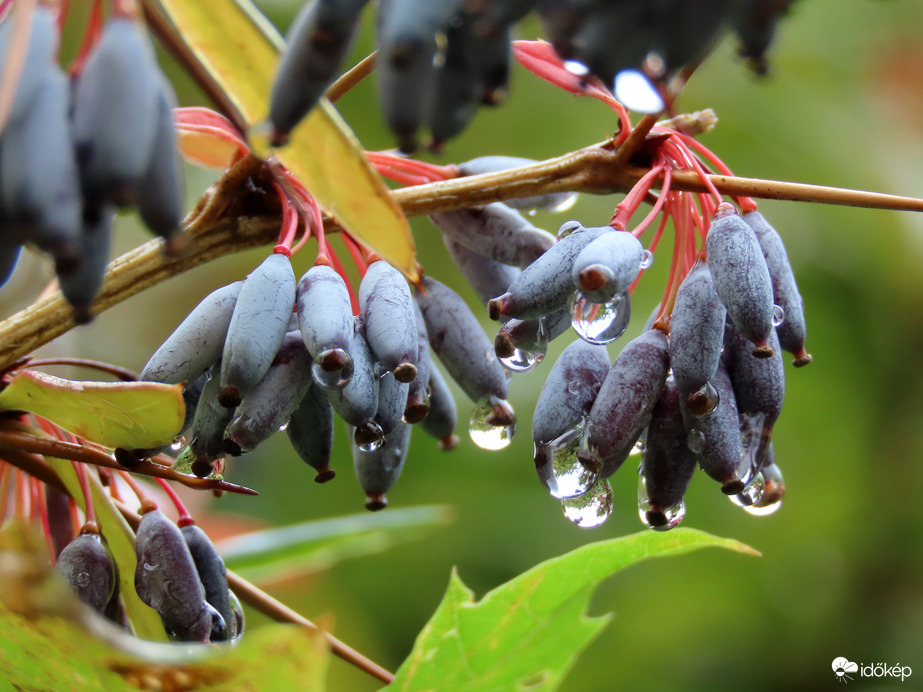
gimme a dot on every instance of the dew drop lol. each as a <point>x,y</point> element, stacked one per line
<point>372,446</point>
<point>647,259</point>
<point>704,400</point>
<point>236,626</point>
<point>773,492</point>
<point>522,361</point>
<point>659,519</point>
<point>329,379</point>
<point>283,427</point>
<point>532,212</point>
<point>565,204</point>
<point>600,323</point>
<point>576,67</point>
<point>492,423</point>
<point>559,469</point>
<point>183,463</point>
<point>778,315</point>
<point>637,93</point>
<point>568,227</point>
<point>178,443</point>
<point>696,441</point>
<point>592,508</point>
<point>752,494</point>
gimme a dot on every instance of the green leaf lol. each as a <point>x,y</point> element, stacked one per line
<point>113,414</point>
<point>120,540</point>
<point>239,50</point>
<point>315,545</point>
<point>48,641</point>
<point>527,633</point>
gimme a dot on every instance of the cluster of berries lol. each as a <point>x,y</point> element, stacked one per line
<point>179,574</point>
<point>439,60</point>
<point>73,150</point>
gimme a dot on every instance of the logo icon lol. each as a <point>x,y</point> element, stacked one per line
<point>841,668</point>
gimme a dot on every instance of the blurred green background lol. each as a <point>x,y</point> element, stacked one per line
<point>842,569</point>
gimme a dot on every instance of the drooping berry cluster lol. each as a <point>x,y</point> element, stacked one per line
<point>73,151</point>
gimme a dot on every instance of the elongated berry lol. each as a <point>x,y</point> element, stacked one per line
<point>741,277</point>
<point>325,318</point>
<point>357,400</point>
<point>377,470</point>
<point>82,285</point>
<point>206,436</point>
<point>161,192</point>
<point>392,401</point>
<point>530,335</point>
<point>622,408</point>
<point>40,56</point>
<point>417,407</point>
<point>457,337</point>
<point>696,335</point>
<point>495,231</point>
<point>545,286</point>
<point>442,418</point>
<point>458,88</point>
<point>270,404</point>
<point>116,112</point>
<point>258,325</point>
<point>667,463</point>
<point>167,580</point>
<point>213,575</point>
<point>39,184</point>
<point>316,44</point>
<point>487,277</point>
<point>87,568</point>
<point>310,432</point>
<point>606,267</point>
<point>387,313</point>
<point>197,342</point>
<point>714,437</point>
<point>785,294</point>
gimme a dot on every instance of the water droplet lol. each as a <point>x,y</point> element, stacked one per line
<point>752,494</point>
<point>647,259</point>
<point>600,323</point>
<point>773,492</point>
<point>492,423</point>
<point>576,67</point>
<point>237,624</point>
<point>778,315</point>
<point>532,212</point>
<point>521,360</point>
<point>178,443</point>
<point>372,446</point>
<point>183,463</point>
<point>592,508</point>
<point>637,93</point>
<point>696,441</point>
<point>329,379</point>
<point>704,400</point>
<point>565,204</point>
<point>659,519</point>
<point>283,427</point>
<point>754,441</point>
<point>568,227</point>
<point>559,469</point>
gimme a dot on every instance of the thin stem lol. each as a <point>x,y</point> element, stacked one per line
<point>27,442</point>
<point>123,374</point>
<point>350,79</point>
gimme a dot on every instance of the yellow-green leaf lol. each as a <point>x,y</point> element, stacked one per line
<point>113,414</point>
<point>239,49</point>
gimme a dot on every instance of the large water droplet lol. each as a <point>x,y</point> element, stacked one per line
<point>329,379</point>
<point>559,469</point>
<point>372,445</point>
<point>568,227</point>
<point>592,508</point>
<point>637,93</point>
<point>576,67</point>
<point>183,463</point>
<point>752,494</point>
<point>647,259</point>
<point>565,204</point>
<point>492,423</point>
<point>773,492</point>
<point>522,361</point>
<point>178,443</point>
<point>778,315</point>
<point>696,441</point>
<point>600,323</point>
<point>704,400</point>
<point>237,624</point>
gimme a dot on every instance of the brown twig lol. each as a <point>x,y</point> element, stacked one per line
<point>350,79</point>
<point>589,170</point>
<point>15,441</point>
<point>273,608</point>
